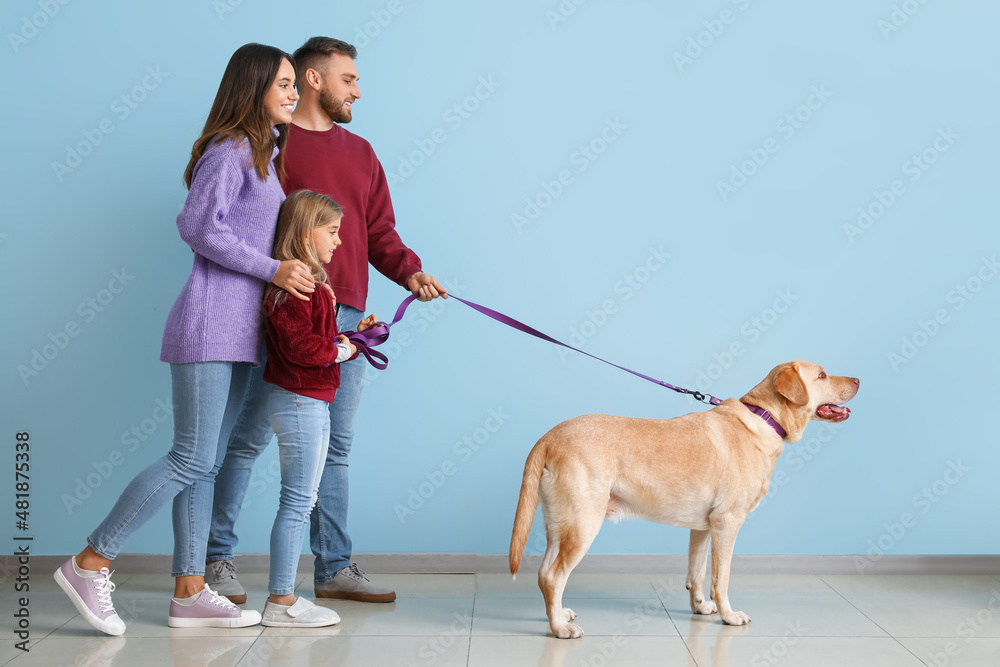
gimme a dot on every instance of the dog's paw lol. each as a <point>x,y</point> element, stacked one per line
<point>736,618</point>
<point>704,607</point>
<point>567,631</point>
<point>570,614</point>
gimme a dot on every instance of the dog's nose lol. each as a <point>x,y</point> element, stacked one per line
<point>856,381</point>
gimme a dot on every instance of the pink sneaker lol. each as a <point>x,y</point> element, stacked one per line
<point>210,610</point>
<point>91,595</point>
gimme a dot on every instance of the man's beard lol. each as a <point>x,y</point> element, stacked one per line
<point>334,107</point>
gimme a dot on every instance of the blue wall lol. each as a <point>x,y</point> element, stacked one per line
<point>658,181</point>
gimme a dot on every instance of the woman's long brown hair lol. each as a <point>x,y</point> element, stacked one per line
<point>238,111</point>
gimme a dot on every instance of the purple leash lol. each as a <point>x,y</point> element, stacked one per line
<point>378,334</point>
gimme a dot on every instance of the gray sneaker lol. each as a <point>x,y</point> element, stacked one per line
<point>221,577</point>
<point>352,584</point>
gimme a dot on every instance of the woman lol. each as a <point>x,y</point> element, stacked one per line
<point>211,340</point>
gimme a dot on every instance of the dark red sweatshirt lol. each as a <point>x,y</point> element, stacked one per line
<point>344,166</point>
<point>302,345</point>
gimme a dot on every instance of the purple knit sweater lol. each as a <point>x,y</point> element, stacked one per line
<point>228,220</point>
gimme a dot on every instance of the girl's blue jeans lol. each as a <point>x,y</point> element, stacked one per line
<point>302,425</point>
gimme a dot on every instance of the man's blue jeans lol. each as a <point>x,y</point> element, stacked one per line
<point>328,522</point>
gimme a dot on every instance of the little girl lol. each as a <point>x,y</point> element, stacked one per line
<point>303,353</point>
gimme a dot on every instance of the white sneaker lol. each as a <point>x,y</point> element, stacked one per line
<point>302,614</point>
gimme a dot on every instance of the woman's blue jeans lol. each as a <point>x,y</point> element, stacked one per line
<point>302,425</point>
<point>207,398</point>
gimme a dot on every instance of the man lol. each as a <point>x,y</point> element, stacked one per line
<point>322,156</point>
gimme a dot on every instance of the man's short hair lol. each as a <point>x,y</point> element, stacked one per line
<point>312,54</point>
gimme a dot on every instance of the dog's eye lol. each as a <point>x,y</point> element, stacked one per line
<point>822,376</point>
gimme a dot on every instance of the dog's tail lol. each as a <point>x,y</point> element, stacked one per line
<point>526,504</point>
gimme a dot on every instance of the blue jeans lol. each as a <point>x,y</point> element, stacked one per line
<point>328,523</point>
<point>207,398</point>
<point>302,425</point>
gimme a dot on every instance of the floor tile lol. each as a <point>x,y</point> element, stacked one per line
<point>774,616</point>
<point>130,651</point>
<point>960,652</point>
<point>404,617</point>
<point>794,651</point>
<point>47,612</point>
<point>617,650</point>
<point>578,586</point>
<point>8,650</point>
<point>279,651</point>
<point>597,616</point>
<point>923,614</point>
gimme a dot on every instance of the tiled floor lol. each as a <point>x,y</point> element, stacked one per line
<point>487,620</point>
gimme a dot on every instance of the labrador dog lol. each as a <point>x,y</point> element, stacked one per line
<point>704,471</point>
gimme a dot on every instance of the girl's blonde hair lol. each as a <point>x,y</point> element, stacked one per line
<point>300,213</point>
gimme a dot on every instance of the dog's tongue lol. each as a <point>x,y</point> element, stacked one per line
<point>834,412</point>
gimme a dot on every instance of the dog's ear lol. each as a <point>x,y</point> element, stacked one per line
<point>790,385</point>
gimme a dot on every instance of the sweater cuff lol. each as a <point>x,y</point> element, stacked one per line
<point>268,269</point>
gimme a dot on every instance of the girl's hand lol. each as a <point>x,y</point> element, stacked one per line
<point>347,341</point>
<point>368,322</point>
<point>295,278</point>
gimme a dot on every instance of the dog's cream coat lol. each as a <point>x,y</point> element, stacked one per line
<point>704,471</point>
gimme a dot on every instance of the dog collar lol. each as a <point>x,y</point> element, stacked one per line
<point>766,416</point>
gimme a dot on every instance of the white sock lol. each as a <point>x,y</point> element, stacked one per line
<point>189,601</point>
<point>80,572</point>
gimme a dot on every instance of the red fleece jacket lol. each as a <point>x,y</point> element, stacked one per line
<point>302,345</point>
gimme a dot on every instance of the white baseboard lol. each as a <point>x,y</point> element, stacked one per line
<point>596,563</point>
